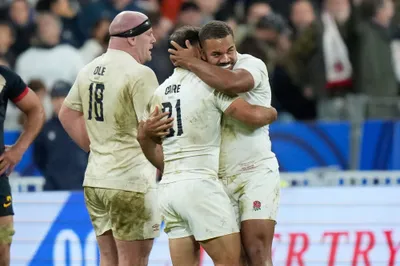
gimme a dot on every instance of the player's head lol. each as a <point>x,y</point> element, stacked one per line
<point>49,28</point>
<point>184,33</point>
<point>38,87</point>
<point>132,32</point>
<point>218,45</point>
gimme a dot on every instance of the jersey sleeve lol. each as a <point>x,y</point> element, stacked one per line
<point>255,67</point>
<point>148,109</point>
<point>144,89</point>
<point>223,101</point>
<point>73,99</point>
<point>15,87</point>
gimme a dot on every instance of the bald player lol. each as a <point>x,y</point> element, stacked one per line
<point>101,114</point>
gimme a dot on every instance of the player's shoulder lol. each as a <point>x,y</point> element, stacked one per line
<point>7,74</point>
<point>188,80</point>
<point>145,71</point>
<point>249,60</point>
<point>87,69</point>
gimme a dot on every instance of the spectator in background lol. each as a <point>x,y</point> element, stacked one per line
<point>59,159</point>
<point>209,8</point>
<point>149,6</point>
<point>373,66</point>
<point>232,22</point>
<point>19,14</point>
<point>96,10</point>
<point>256,10</point>
<point>338,66</point>
<point>37,86</point>
<point>161,65</point>
<point>7,38</point>
<point>98,42</point>
<point>263,42</point>
<point>306,65</point>
<point>169,10</point>
<point>302,15</point>
<point>71,31</point>
<point>52,60</point>
<point>301,72</point>
<point>190,14</point>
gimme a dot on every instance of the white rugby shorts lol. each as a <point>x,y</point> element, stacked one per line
<point>198,207</point>
<point>254,195</point>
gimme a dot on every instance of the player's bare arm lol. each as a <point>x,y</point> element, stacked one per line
<point>151,149</point>
<point>74,124</point>
<point>31,106</point>
<point>224,80</point>
<point>252,115</point>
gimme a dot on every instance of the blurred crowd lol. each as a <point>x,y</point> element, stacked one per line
<point>327,59</point>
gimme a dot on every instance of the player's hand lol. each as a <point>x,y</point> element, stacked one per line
<point>157,126</point>
<point>182,57</point>
<point>9,159</point>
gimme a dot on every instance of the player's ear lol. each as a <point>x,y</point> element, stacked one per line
<point>203,55</point>
<point>132,41</point>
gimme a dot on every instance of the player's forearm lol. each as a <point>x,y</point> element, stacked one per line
<point>223,80</point>
<point>32,126</point>
<point>258,116</point>
<point>153,152</point>
<point>78,133</point>
<point>82,137</point>
<point>264,115</point>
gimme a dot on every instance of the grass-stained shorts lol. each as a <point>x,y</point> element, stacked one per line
<point>130,215</point>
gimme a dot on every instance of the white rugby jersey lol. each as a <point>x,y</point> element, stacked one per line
<point>244,148</point>
<point>113,91</point>
<point>191,150</point>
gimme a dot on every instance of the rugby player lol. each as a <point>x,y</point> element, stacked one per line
<point>13,88</point>
<point>193,202</point>
<point>248,169</point>
<point>101,114</point>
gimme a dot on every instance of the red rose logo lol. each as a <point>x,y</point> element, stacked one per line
<point>256,205</point>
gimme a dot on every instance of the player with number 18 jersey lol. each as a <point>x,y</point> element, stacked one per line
<point>112,92</point>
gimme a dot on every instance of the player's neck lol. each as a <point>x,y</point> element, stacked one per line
<point>123,47</point>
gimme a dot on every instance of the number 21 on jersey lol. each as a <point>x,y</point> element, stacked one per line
<point>167,107</point>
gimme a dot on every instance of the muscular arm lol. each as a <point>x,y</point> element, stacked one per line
<point>30,105</point>
<point>223,80</point>
<point>226,81</point>
<point>252,115</point>
<point>152,150</point>
<point>74,124</point>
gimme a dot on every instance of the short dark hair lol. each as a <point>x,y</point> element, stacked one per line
<point>215,30</point>
<point>189,6</point>
<point>44,5</point>
<point>184,33</point>
<point>36,85</point>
